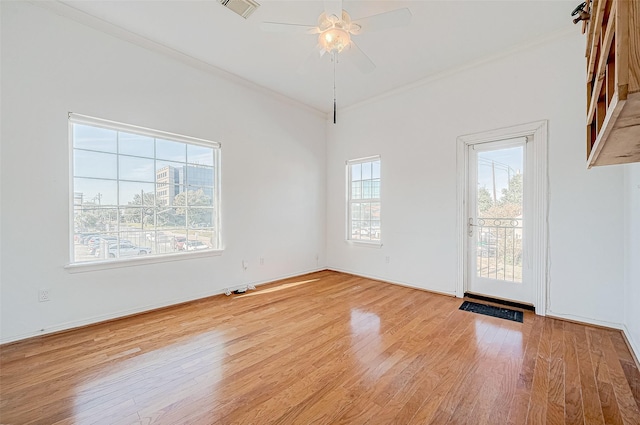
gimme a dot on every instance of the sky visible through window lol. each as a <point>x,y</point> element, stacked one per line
<point>505,163</point>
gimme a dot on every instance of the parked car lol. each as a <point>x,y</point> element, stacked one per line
<point>195,246</point>
<point>178,242</point>
<point>127,250</point>
<point>80,236</point>
<point>95,250</point>
<point>95,245</point>
<point>86,238</point>
<point>157,237</point>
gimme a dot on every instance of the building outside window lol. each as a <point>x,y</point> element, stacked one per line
<point>141,192</point>
<point>363,200</point>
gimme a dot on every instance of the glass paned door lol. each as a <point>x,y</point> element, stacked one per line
<point>497,220</point>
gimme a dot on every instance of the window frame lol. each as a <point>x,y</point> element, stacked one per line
<point>349,201</point>
<point>72,266</point>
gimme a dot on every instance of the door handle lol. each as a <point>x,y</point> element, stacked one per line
<point>470,227</point>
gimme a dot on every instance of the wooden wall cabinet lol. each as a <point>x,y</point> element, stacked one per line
<point>613,82</point>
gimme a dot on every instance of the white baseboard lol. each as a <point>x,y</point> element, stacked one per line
<point>123,313</point>
<point>394,282</point>
<point>587,320</point>
<point>635,345</point>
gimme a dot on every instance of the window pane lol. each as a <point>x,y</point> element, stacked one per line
<point>134,144</point>
<point>356,190</point>
<point>355,229</point>
<point>375,211</point>
<point>375,230</point>
<point>366,189</point>
<point>134,237</point>
<point>96,192</point>
<point>365,230</point>
<point>200,217</point>
<point>166,194</point>
<point>355,211</point>
<point>171,217</point>
<point>137,218</point>
<point>94,164</point>
<point>139,169</point>
<point>199,155</point>
<point>376,170</point>
<point>172,151</point>
<point>375,189</point>
<point>356,173</point>
<point>94,138</point>
<point>366,211</point>
<point>198,240</point>
<point>200,196</point>
<point>168,171</point>
<point>132,193</point>
<point>366,171</point>
<point>199,176</point>
<point>91,218</point>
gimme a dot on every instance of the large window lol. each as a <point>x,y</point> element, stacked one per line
<point>363,185</point>
<point>139,192</point>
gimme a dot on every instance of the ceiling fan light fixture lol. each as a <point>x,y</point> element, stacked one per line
<point>334,39</point>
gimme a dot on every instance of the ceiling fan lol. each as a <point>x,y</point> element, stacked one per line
<point>335,28</point>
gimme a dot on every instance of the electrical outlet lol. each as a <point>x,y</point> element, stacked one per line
<point>262,261</point>
<point>43,295</point>
<point>387,259</point>
<point>245,264</point>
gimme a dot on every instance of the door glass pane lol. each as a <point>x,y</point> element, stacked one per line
<point>499,214</point>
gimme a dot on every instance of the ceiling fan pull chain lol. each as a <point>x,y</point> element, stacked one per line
<point>335,59</point>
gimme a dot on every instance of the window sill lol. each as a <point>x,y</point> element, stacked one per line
<point>369,244</point>
<point>130,262</point>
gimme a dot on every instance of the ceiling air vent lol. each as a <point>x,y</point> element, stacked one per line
<point>243,8</point>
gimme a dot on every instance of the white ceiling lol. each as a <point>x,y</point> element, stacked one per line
<point>443,35</point>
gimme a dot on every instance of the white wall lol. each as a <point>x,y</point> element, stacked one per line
<point>632,256</point>
<point>415,132</point>
<point>273,172</point>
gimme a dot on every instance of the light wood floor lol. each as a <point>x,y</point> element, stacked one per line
<point>322,348</point>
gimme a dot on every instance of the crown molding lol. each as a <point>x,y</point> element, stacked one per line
<point>467,66</point>
<point>65,10</point>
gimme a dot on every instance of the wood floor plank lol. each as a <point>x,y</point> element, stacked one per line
<point>555,394</point>
<point>590,397</point>
<point>522,398</point>
<point>537,412</point>
<point>574,414</point>
<point>324,348</point>
<point>628,408</point>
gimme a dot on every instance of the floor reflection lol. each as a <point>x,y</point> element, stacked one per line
<point>277,288</point>
<point>192,366</point>
<point>508,336</point>
<point>366,341</point>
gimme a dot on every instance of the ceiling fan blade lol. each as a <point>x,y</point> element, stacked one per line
<point>382,21</point>
<point>288,28</point>
<point>333,7</point>
<point>312,61</point>
<point>359,58</point>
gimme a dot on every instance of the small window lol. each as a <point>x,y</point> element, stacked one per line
<point>363,205</point>
<point>136,191</point>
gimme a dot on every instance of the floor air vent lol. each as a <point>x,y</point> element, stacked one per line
<point>243,8</point>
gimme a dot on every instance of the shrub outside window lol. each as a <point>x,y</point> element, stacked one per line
<point>363,186</point>
<point>140,192</point>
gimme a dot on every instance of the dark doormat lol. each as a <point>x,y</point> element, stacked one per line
<point>489,310</point>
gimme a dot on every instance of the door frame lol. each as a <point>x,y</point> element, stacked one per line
<point>536,134</point>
